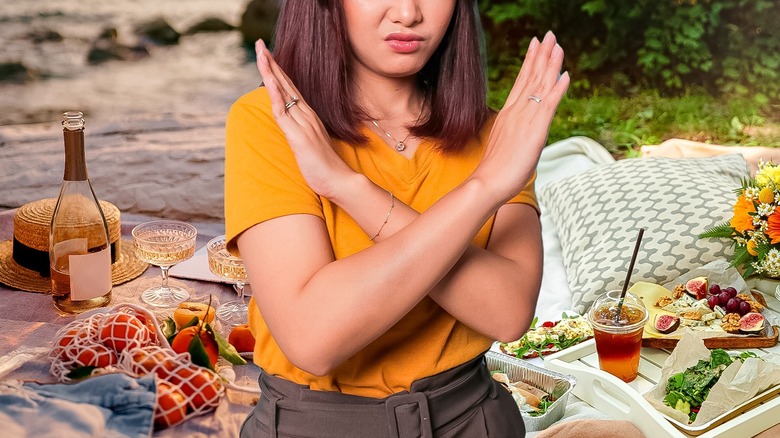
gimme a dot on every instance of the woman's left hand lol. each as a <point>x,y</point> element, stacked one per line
<point>321,167</point>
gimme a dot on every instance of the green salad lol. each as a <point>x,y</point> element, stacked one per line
<point>686,391</point>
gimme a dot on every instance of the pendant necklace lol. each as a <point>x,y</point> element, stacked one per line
<point>400,146</point>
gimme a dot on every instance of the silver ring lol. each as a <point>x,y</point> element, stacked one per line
<point>291,103</point>
<point>536,99</point>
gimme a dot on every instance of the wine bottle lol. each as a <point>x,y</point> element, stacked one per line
<point>79,246</point>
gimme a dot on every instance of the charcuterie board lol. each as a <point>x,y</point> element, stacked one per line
<point>650,293</point>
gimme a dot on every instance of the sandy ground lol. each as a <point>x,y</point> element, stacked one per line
<point>172,167</point>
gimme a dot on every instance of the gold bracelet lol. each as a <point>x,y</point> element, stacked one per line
<point>392,204</point>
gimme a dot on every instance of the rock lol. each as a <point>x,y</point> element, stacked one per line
<point>211,24</point>
<point>106,48</point>
<point>16,72</point>
<point>259,21</point>
<point>44,35</point>
<point>158,31</point>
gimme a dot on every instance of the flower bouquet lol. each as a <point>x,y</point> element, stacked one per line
<point>755,226</point>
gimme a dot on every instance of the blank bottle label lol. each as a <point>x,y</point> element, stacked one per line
<point>90,274</point>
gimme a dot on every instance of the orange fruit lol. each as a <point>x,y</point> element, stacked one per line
<point>171,405</point>
<point>181,342</point>
<point>158,361</point>
<point>146,321</point>
<point>73,340</point>
<point>188,310</point>
<point>96,355</point>
<point>242,338</point>
<point>201,387</point>
<point>120,331</point>
<point>64,342</point>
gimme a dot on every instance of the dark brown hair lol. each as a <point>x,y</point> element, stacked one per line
<point>311,46</point>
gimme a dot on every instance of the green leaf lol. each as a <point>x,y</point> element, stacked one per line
<point>719,357</point>
<point>198,353</point>
<point>593,7</point>
<point>226,349</point>
<point>79,373</point>
<point>168,328</point>
<point>719,231</point>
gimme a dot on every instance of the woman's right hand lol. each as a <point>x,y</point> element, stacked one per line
<point>520,130</point>
<point>321,167</point>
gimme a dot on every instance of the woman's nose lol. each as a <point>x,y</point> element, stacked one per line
<point>405,12</point>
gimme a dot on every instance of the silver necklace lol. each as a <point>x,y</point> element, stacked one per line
<point>400,146</point>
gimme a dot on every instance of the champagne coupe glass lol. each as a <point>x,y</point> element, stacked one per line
<point>164,243</point>
<point>231,268</point>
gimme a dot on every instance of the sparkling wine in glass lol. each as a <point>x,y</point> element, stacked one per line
<point>164,243</point>
<point>231,268</point>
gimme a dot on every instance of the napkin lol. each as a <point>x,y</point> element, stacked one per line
<point>196,268</point>
<point>109,405</point>
<point>592,428</point>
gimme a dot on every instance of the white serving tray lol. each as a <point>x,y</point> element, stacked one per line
<point>624,401</point>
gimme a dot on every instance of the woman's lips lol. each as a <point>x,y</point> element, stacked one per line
<point>403,43</point>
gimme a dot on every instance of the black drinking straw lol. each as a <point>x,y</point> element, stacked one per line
<point>628,274</point>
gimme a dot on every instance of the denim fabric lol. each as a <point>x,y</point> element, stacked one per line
<point>109,405</point>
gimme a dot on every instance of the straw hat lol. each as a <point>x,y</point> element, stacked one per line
<point>28,269</point>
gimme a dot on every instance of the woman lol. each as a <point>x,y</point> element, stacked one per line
<point>386,218</point>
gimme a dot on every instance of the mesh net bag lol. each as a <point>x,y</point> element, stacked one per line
<point>127,338</point>
<point>183,389</point>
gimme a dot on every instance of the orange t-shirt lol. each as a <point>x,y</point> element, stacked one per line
<point>262,181</point>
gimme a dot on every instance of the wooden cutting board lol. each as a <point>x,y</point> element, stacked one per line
<point>767,338</point>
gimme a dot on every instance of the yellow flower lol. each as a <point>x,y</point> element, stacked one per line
<point>766,195</point>
<point>742,220</point>
<point>751,248</point>
<point>769,174</point>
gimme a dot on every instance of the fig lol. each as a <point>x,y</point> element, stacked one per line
<point>667,323</point>
<point>751,323</point>
<point>697,287</point>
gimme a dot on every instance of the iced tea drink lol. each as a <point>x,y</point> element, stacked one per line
<point>618,340</point>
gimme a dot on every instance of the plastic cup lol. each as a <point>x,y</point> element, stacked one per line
<point>618,343</point>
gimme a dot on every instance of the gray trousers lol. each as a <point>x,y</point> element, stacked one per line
<point>461,402</point>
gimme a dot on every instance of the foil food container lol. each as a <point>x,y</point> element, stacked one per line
<point>518,369</point>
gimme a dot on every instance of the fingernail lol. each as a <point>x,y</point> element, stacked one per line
<point>565,74</point>
<point>534,43</point>
<point>548,36</point>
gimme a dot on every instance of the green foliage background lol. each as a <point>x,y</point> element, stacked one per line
<point>647,69</point>
<point>724,46</point>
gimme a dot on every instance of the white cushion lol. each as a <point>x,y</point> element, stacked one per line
<point>598,214</point>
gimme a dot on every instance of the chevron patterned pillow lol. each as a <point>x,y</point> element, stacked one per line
<point>598,214</point>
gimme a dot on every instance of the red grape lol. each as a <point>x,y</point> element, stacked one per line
<point>731,291</point>
<point>712,301</point>
<point>732,305</point>
<point>714,289</point>
<point>723,298</point>
<point>744,308</point>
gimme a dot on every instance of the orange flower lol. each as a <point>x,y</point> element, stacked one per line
<point>751,248</point>
<point>773,226</point>
<point>742,220</point>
